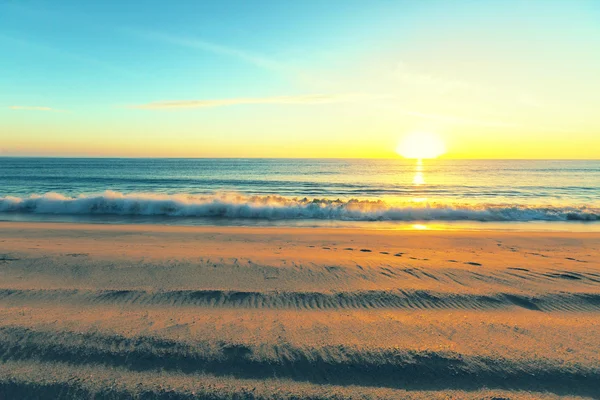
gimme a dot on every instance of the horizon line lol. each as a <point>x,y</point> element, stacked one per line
<point>295,158</point>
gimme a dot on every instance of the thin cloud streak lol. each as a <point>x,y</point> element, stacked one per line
<point>454,120</point>
<point>459,120</point>
<point>315,99</point>
<point>199,44</point>
<point>34,108</point>
<point>404,75</point>
<point>68,55</point>
<point>304,99</point>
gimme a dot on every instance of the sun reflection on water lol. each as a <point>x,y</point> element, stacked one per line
<point>419,179</point>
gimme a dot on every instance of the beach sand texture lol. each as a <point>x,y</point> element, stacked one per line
<point>146,311</point>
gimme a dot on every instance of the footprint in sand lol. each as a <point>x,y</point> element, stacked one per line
<point>473,263</point>
<point>349,248</point>
<point>398,254</point>
<point>365,250</point>
<point>383,252</point>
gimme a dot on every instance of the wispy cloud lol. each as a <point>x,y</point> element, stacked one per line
<point>455,120</point>
<point>388,99</point>
<point>248,57</point>
<point>485,123</point>
<point>34,108</point>
<point>69,55</point>
<point>469,91</point>
<point>303,99</point>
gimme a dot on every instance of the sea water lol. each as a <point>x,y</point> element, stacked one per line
<point>300,191</point>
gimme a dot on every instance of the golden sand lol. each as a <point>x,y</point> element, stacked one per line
<point>179,312</point>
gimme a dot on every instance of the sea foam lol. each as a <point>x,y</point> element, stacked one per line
<point>232,206</point>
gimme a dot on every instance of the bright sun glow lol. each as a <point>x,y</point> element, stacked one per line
<point>421,145</point>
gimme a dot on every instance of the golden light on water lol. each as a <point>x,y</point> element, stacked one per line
<point>419,227</point>
<point>421,145</point>
<point>418,178</point>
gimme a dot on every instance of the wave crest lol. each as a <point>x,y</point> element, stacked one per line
<point>274,207</point>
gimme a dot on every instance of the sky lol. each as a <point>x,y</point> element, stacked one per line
<point>334,78</point>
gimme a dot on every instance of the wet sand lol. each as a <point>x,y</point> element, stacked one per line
<point>119,311</point>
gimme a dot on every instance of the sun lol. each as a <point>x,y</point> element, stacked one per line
<point>421,145</point>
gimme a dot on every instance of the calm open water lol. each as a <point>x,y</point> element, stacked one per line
<point>296,190</point>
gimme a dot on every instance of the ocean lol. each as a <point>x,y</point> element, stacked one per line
<point>394,192</point>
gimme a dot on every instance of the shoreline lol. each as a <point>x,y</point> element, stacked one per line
<point>404,228</point>
<point>467,226</point>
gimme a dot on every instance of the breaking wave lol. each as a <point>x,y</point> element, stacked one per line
<point>231,206</point>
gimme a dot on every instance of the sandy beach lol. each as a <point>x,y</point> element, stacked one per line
<point>151,311</point>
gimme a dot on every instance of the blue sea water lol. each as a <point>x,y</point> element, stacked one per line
<point>295,190</point>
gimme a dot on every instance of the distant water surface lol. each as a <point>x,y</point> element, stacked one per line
<point>296,190</point>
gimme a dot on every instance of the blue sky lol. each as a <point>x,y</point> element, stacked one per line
<point>252,78</point>
<point>140,50</point>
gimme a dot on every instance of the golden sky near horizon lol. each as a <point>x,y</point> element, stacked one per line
<point>491,79</point>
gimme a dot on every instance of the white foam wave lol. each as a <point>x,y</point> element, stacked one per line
<point>281,208</point>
